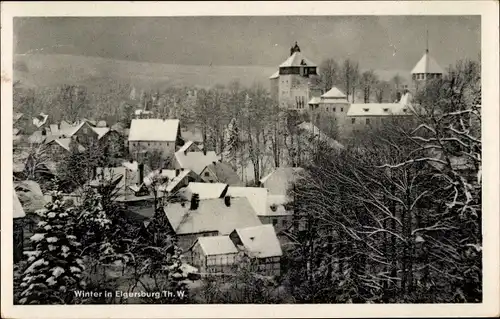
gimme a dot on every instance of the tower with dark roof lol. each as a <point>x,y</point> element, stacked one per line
<point>291,85</point>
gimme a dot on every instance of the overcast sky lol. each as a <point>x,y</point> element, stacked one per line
<point>376,42</point>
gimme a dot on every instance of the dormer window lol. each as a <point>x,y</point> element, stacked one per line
<point>386,110</point>
<point>366,110</point>
<point>404,110</point>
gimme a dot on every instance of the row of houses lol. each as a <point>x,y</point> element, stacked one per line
<point>212,201</point>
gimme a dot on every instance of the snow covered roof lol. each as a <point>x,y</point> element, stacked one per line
<point>257,197</point>
<point>101,123</point>
<point>275,75</point>
<point>260,241</point>
<point>205,190</point>
<point>101,131</point>
<point>297,59</point>
<point>211,215</point>
<point>278,181</point>
<point>196,161</point>
<point>427,64</point>
<point>17,116</point>
<point>314,100</point>
<point>379,109</point>
<point>275,205</point>
<point>66,143</point>
<point>18,208</point>
<point>224,173</point>
<point>177,179</point>
<point>153,130</point>
<point>186,146</point>
<point>30,195</point>
<point>334,93</point>
<point>217,245</point>
<point>406,98</point>
<point>40,120</point>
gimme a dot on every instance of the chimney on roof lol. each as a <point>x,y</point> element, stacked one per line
<point>214,162</point>
<point>204,151</point>
<point>141,173</point>
<point>195,202</point>
<point>177,172</point>
<point>185,152</point>
<point>131,160</point>
<point>227,201</point>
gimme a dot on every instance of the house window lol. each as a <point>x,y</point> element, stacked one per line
<point>341,109</point>
<point>367,121</point>
<point>333,109</point>
<point>207,174</point>
<point>353,121</point>
<point>275,222</point>
<point>327,109</point>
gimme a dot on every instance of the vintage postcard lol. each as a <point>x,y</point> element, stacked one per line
<point>250,159</point>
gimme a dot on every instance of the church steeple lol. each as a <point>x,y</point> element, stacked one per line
<point>294,49</point>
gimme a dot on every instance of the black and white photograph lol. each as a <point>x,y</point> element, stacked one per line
<point>249,159</point>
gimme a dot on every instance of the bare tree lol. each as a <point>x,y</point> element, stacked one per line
<point>368,81</point>
<point>350,77</point>
<point>329,71</point>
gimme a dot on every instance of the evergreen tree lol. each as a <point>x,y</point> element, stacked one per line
<point>54,269</point>
<point>231,143</point>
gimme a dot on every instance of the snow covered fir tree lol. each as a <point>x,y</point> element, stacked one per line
<point>54,269</point>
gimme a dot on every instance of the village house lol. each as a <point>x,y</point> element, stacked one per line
<point>372,115</point>
<point>147,135</point>
<point>189,146</point>
<point>215,254</point>
<point>260,242</point>
<point>192,134</point>
<point>219,254</point>
<point>195,161</point>
<point>131,175</point>
<point>220,172</point>
<point>209,217</point>
<point>171,180</point>
<point>59,147</point>
<point>279,181</point>
<point>333,102</point>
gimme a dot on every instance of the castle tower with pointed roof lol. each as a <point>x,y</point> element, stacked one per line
<point>291,85</point>
<point>426,69</point>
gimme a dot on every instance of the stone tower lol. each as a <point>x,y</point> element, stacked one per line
<point>290,85</point>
